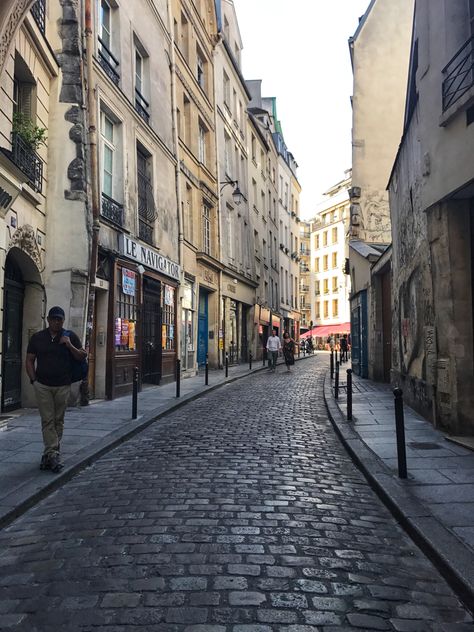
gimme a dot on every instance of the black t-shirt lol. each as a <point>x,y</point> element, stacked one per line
<point>53,360</point>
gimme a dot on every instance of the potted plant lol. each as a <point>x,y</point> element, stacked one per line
<point>31,134</point>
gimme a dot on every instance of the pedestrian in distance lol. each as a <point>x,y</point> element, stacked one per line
<point>51,357</point>
<point>273,349</point>
<point>288,350</point>
<point>309,346</point>
<point>331,343</point>
<point>344,347</point>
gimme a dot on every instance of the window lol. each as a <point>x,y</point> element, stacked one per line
<point>188,214</point>
<point>201,69</point>
<point>187,120</point>
<point>334,235</point>
<point>325,262</point>
<point>108,149</point>
<point>125,311</point>
<point>316,264</point>
<point>285,202</point>
<point>253,150</point>
<point>334,259</point>
<point>206,228</point>
<point>325,238</point>
<point>335,308</point>
<point>141,104</point>
<point>226,83</point>
<point>317,288</point>
<point>167,319</point>
<point>184,44</point>
<point>326,309</point>
<point>202,139</point>
<point>335,284</point>
<point>228,155</point>
<point>335,215</point>
<point>145,198</point>
<point>316,241</point>
<point>326,286</point>
<point>107,60</point>
<point>317,310</point>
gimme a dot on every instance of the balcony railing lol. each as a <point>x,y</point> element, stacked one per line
<point>142,106</point>
<point>38,11</point>
<point>458,74</point>
<point>112,210</point>
<point>109,62</point>
<point>28,161</point>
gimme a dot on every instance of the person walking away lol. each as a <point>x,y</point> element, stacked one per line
<point>288,350</point>
<point>273,349</point>
<point>309,346</point>
<point>344,347</point>
<point>49,359</point>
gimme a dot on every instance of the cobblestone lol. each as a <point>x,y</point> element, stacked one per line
<point>236,513</point>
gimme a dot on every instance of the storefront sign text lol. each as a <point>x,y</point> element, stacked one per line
<point>148,257</point>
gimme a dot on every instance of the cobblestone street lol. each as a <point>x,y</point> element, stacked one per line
<point>239,512</point>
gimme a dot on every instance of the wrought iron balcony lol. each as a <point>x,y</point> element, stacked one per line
<point>142,106</point>
<point>28,161</point>
<point>109,62</point>
<point>145,231</point>
<point>112,210</point>
<point>458,74</point>
<point>38,11</point>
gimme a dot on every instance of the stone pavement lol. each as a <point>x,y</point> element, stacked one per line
<point>435,503</point>
<point>89,432</point>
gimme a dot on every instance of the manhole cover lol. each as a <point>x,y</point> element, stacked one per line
<point>424,446</point>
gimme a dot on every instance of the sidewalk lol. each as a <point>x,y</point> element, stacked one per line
<point>89,432</point>
<point>436,502</point>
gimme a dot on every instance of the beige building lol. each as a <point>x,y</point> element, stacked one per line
<point>379,52</point>
<point>304,260</point>
<point>330,285</point>
<point>431,199</point>
<point>42,183</point>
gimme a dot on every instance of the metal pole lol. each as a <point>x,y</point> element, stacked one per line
<point>400,428</point>
<point>336,382</point>
<point>227,364</point>
<point>349,394</point>
<point>263,356</point>
<point>135,394</point>
<point>250,360</point>
<point>178,377</point>
<point>331,364</point>
<point>207,370</point>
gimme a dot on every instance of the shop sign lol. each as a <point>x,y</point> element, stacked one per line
<point>169,295</point>
<point>128,282</point>
<point>148,257</point>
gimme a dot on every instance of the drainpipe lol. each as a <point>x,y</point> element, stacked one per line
<point>172,65</point>
<point>91,118</point>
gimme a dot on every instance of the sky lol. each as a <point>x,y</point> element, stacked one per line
<point>299,48</point>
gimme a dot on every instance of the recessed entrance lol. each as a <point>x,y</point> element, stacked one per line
<point>14,294</point>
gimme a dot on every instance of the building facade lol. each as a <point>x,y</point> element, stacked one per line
<point>431,199</point>
<point>379,52</point>
<point>304,260</point>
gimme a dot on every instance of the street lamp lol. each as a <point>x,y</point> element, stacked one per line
<point>237,194</point>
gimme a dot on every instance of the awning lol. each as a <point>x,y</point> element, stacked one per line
<point>327,330</point>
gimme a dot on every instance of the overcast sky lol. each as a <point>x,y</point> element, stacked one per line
<point>299,49</point>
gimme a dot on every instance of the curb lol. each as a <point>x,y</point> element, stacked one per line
<point>35,490</point>
<point>453,560</point>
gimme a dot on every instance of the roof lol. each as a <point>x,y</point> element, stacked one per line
<point>367,250</point>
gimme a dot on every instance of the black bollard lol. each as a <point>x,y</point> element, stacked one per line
<point>336,382</point>
<point>135,394</point>
<point>400,428</point>
<point>349,394</point>
<point>250,360</point>
<point>331,364</point>
<point>227,365</point>
<point>178,377</point>
<point>206,382</point>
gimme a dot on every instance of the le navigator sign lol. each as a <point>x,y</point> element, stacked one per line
<point>148,257</point>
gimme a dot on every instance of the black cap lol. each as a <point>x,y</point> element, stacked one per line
<point>56,312</point>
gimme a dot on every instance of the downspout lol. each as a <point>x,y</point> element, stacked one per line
<point>91,117</point>
<point>179,202</point>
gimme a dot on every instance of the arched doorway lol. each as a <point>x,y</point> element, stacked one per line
<point>14,294</point>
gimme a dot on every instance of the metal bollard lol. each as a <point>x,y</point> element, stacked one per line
<point>227,365</point>
<point>336,382</point>
<point>349,394</point>
<point>263,356</point>
<point>331,364</point>
<point>250,360</point>
<point>135,394</point>
<point>206,382</point>
<point>178,377</point>
<point>400,428</point>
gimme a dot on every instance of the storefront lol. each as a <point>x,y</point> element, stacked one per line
<point>142,317</point>
<point>237,319</point>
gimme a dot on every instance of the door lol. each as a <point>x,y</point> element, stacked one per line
<point>12,338</point>
<point>151,340</point>
<point>387,326</point>
<point>203,318</point>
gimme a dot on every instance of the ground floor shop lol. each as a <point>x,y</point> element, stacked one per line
<point>237,320</point>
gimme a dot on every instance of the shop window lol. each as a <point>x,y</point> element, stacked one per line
<point>126,310</point>
<point>168,319</point>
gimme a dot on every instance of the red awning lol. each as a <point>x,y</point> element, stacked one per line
<point>326,330</point>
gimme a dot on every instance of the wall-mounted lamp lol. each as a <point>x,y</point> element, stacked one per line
<point>140,269</point>
<point>237,194</point>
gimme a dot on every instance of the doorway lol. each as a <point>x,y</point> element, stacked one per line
<point>151,339</point>
<point>387,325</point>
<point>14,294</point>
<point>203,322</point>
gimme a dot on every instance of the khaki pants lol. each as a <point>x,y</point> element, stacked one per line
<point>52,404</point>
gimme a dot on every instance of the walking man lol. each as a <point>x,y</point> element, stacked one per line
<point>49,359</point>
<point>273,348</point>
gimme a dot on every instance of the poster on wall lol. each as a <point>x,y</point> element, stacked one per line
<point>131,336</point>
<point>125,330</point>
<point>163,336</point>
<point>169,291</point>
<point>118,332</point>
<point>128,282</point>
